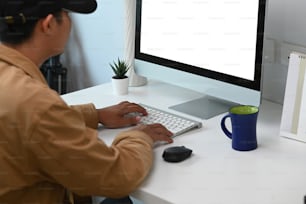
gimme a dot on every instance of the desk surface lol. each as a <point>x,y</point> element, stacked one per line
<point>274,173</point>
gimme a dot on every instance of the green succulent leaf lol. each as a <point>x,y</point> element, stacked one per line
<point>120,68</point>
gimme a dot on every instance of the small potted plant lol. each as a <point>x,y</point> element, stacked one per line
<point>120,80</point>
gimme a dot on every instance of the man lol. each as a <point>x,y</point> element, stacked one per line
<point>48,148</point>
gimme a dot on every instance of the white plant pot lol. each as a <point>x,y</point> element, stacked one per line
<point>120,86</point>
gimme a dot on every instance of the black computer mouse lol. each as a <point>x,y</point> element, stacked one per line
<point>176,153</point>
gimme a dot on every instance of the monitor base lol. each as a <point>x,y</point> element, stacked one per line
<point>205,107</point>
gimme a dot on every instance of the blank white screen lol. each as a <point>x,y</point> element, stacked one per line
<point>218,35</point>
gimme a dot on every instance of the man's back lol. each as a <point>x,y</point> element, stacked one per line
<point>45,144</point>
<point>23,100</point>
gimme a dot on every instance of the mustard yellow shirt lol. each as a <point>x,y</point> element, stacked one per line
<point>47,146</point>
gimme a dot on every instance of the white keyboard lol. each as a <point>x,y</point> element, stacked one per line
<point>174,123</point>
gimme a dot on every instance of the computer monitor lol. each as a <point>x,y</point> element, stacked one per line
<point>219,41</point>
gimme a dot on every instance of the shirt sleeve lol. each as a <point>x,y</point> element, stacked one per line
<point>89,113</point>
<point>68,152</point>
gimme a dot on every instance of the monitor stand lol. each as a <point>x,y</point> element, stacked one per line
<point>205,107</point>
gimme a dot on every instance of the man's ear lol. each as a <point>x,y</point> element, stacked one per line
<point>47,23</point>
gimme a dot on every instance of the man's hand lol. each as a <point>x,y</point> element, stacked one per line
<point>157,132</point>
<point>117,116</point>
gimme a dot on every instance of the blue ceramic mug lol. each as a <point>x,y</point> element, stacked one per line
<point>243,120</point>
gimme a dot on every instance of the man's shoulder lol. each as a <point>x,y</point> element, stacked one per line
<point>24,92</point>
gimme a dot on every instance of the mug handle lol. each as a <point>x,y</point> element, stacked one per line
<point>223,126</point>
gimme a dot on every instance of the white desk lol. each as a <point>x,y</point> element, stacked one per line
<point>275,173</point>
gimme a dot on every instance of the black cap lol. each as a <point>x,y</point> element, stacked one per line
<point>21,11</point>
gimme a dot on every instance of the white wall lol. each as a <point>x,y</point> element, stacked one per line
<point>97,40</point>
<point>285,31</point>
